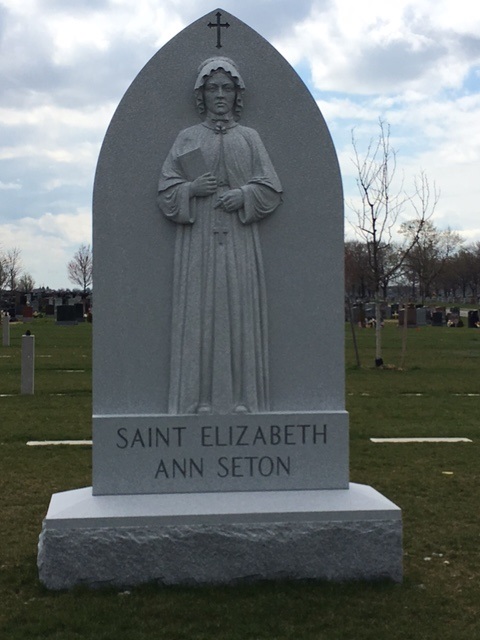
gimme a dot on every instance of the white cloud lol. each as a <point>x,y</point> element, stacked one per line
<point>8,186</point>
<point>45,115</point>
<point>439,137</point>
<point>65,66</point>
<point>69,228</point>
<point>385,46</point>
<point>48,243</point>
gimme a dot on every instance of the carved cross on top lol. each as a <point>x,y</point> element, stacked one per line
<point>218,24</point>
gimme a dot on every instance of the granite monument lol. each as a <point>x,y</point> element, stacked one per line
<point>220,436</point>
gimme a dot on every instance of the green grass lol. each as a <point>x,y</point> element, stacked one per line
<point>439,598</point>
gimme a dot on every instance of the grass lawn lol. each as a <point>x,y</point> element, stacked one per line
<point>436,485</point>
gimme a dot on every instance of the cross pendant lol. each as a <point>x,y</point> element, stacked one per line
<point>221,235</point>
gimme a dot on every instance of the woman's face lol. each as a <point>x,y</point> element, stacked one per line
<point>219,92</point>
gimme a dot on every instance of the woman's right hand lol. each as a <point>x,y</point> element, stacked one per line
<point>203,186</point>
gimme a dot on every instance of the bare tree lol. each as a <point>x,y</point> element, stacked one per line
<point>3,270</point>
<point>430,254</point>
<point>357,272</point>
<point>13,265</point>
<point>26,283</point>
<point>379,214</point>
<point>462,271</point>
<point>80,267</point>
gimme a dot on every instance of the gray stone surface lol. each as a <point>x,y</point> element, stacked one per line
<point>302,248</point>
<point>421,316</point>
<point>302,242</point>
<point>218,530</point>
<point>81,509</point>
<point>159,454</point>
<point>123,541</point>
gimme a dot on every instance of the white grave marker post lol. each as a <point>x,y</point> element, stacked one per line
<point>28,364</point>
<point>6,330</point>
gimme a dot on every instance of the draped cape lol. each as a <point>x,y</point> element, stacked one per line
<point>219,338</point>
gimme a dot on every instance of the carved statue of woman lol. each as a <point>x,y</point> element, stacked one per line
<point>217,184</point>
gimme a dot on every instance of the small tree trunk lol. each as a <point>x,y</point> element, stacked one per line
<point>354,335</point>
<point>378,334</point>
<point>404,337</point>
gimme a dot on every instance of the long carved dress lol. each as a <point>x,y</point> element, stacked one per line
<point>219,342</point>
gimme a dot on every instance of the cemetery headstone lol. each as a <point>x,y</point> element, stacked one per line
<point>411,317</point>
<point>473,318</point>
<point>421,316</point>
<point>220,436</point>
<point>27,313</point>
<point>358,316</point>
<point>369,310</point>
<point>79,312</point>
<point>66,315</point>
<point>438,319</point>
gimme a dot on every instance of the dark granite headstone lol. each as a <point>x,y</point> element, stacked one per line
<point>66,315</point>
<point>473,318</point>
<point>27,313</point>
<point>437,319</point>
<point>411,317</point>
<point>79,314</point>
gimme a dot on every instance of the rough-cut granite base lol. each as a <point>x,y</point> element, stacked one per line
<point>219,538</point>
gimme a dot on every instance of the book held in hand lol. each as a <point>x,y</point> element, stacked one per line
<point>193,164</point>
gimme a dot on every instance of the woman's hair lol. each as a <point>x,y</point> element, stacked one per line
<point>210,67</point>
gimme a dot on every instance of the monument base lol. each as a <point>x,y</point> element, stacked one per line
<point>219,538</point>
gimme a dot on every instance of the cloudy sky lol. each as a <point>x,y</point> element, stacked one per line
<point>65,64</point>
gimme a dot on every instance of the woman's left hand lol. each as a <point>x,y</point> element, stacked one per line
<point>231,200</point>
